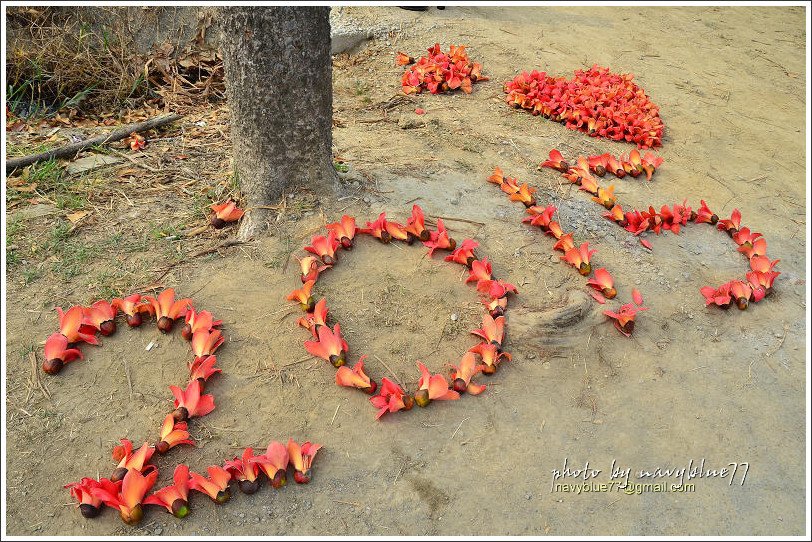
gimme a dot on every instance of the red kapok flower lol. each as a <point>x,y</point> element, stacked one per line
<point>356,377</point>
<point>167,309</point>
<point>624,318</point>
<point>312,320</point>
<point>102,316</point>
<point>731,225</point>
<point>206,343</point>
<point>491,355</point>
<point>432,387</point>
<point>133,308</point>
<point>331,346</point>
<point>762,264</point>
<point>579,258</point>
<point>718,296</point>
<point>301,457</point>
<point>175,497</point>
<point>391,398</point>
<point>464,253</point>
<point>324,247</point>
<point>198,321</point>
<point>603,282</point>
<point>225,213</point>
<point>189,403</point>
<point>402,59</point>
<point>245,471</point>
<point>495,289</point>
<point>439,239</point>
<point>201,369</point>
<point>461,375</point>
<point>345,230</point>
<point>416,225</point>
<point>705,215</point>
<point>741,292</point>
<point>128,497</point>
<point>605,197</point>
<point>556,162</point>
<point>492,331</point>
<point>311,268</point>
<point>71,325</point>
<point>88,503</point>
<point>215,486</point>
<point>172,434</point>
<point>274,463</point>
<point>480,270</point>
<point>303,296</point>
<point>129,460</point>
<point>57,353</point>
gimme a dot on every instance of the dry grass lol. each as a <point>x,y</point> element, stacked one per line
<point>57,61</point>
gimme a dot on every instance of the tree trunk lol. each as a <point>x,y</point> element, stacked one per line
<point>278,72</point>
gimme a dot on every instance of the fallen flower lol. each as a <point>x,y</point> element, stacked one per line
<point>129,460</point>
<point>624,318</point>
<point>132,307</point>
<point>324,247</point>
<point>492,331</point>
<point>189,403</point>
<point>198,321</point>
<point>71,325</point>
<point>331,346</point>
<point>301,457</point>
<point>225,213</point>
<point>128,497</point>
<point>303,296</point>
<point>461,375</point>
<point>416,226</point>
<point>57,354</point>
<point>206,343</point>
<point>464,253</point>
<point>173,434</point>
<point>579,258</point>
<point>556,161</point>
<point>245,471</point>
<point>274,463</point>
<point>432,387</point>
<point>492,356</point>
<point>215,486</point>
<point>391,398</point>
<point>201,369</point>
<point>167,309</point>
<point>102,316</point>
<point>345,230</point>
<point>604,283</point>
<point>88,503</point>
<point>440,239</point>
<point>313,320</point>
<point>175,497</point>
<point>356,378</point>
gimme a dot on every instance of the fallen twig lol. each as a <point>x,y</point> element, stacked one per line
<point>73,148</point>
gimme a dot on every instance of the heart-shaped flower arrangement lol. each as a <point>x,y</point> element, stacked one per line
<point>327,342</point>
<point>127,487</point>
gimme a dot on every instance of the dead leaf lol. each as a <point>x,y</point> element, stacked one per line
<point>77,216</point>
<point>26,188</point>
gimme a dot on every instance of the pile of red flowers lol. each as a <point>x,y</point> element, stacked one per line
<point>578,256</point>
<point>597,101</point>
<point>328,343</point>
<point>440,72</point>
<point>673,218</point>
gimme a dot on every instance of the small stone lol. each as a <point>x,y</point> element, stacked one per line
<point>454,317</point>
<point>242,515</point>
<point>528,496</point>
<point>531,355</point>
<point>367,200</point>
<point>158,530</point>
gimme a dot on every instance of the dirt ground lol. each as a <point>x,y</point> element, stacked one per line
<point>691,384</point>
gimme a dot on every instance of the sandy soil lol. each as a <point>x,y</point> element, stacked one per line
<point>692,383</point>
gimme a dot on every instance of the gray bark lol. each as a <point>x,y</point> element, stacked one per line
<point>278,74</point>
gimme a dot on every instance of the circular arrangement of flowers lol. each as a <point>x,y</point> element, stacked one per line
<point>328,343</point>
